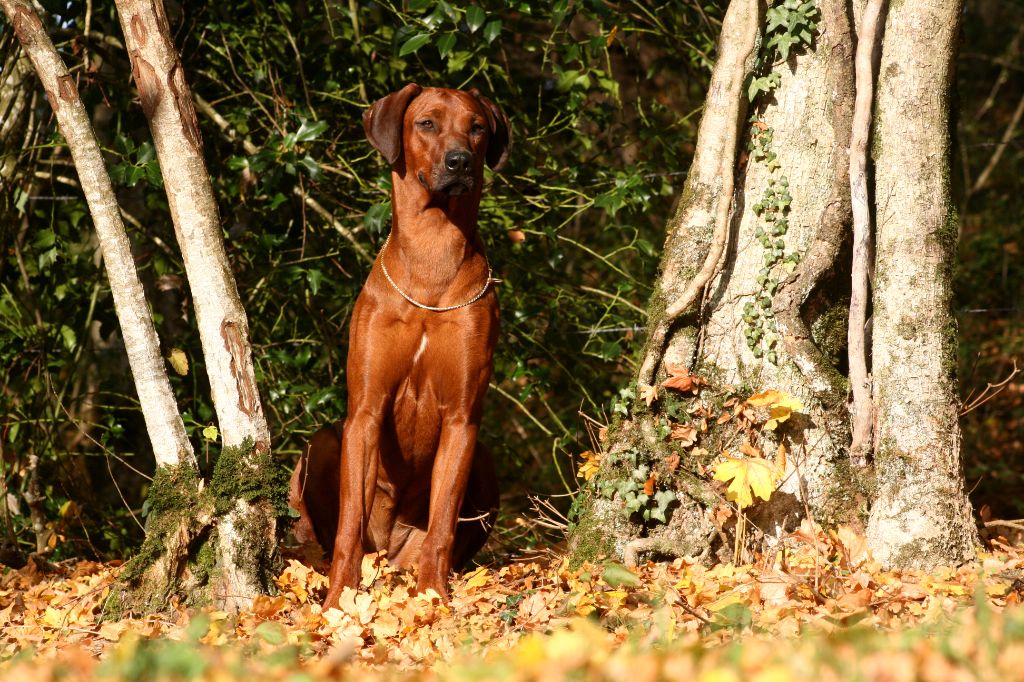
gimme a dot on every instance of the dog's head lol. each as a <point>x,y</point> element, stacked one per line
<point>443,136</point>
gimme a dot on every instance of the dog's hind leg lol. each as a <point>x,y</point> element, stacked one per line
<point>479,508</point>
<point>314,489</point>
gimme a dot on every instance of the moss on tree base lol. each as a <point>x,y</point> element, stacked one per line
<point>179,560</point>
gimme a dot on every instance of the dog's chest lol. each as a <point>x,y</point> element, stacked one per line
<point>418,401</point>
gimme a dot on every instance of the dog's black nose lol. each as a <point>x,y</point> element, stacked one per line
<point>459,160</point>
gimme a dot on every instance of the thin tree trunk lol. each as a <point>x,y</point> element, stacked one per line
<point>163,423</point>
<point>223,325</point>
<point>15,94</point>
<point>920,516</point>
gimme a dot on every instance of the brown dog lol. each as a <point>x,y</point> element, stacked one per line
<point>406,473</point>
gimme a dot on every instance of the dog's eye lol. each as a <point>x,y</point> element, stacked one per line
<point>426,124</point>
<point>477,128</point>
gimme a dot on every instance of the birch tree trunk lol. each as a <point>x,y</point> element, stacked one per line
<point>803,126</point>
<point>166,431</point>
<point>920,517</point>
<point>246,534</point>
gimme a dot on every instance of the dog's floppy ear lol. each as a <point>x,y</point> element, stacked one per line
<point>500,141</point>
<point>383,121</point>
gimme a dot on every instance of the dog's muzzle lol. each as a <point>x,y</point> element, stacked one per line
<point>455,175</point>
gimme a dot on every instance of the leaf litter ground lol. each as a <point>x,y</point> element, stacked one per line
<point>817,608</point>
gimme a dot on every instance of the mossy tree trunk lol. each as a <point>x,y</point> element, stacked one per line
<point>234,532</point>
<point>921,516</point>
<point>212,541</point>
<point>773,316</point>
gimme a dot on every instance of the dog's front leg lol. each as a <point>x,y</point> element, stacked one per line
<point>360,457</point>
<point>449,477</point>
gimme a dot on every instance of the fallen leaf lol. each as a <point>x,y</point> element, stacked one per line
<point>747,476</point>
<point>680,378</point>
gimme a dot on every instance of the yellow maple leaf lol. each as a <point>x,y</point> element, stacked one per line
<point>747,476</point>
<point>780,406</point>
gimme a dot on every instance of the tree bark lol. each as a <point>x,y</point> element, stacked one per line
<point>808,115</point>
<point>166,431</point>
<point>223,325</point>
<point>920,516</point>
<point>690,238</point>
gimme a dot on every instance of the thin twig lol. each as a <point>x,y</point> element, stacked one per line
<point>990,392</point>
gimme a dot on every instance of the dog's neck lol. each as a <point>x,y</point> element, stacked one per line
<point>435,252</point>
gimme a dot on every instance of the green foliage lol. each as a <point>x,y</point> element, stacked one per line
<point>601,102</point>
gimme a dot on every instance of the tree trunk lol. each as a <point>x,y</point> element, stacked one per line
<point>15,95</point>
<point>166,431</point>
<point>773,318</point>
<point>921,516</point>
<point>245,538</point>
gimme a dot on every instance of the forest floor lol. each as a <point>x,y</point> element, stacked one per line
<point>816,609</point>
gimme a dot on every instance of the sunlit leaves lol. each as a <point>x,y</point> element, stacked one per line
<point>819,602</point>
<point>780,405</point>
<point>591,465</point>
<point>747,477</point>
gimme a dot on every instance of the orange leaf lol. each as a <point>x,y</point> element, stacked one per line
<point>649,486</point>
<point>672,461</point>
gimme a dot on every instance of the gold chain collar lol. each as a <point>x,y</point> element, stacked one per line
<point>410,299</point>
